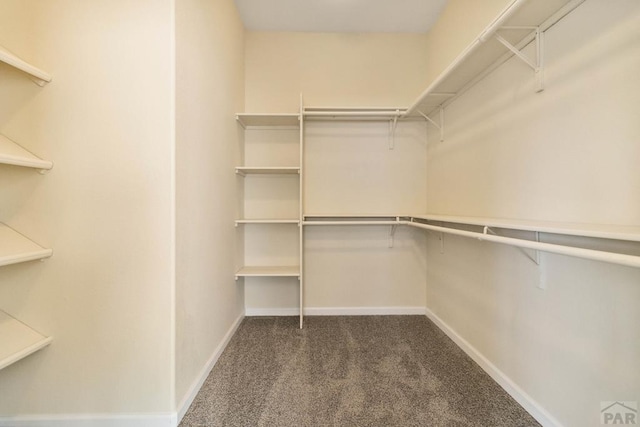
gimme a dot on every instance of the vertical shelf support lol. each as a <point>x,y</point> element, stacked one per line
<point>440,125</point>
<point>538,64</point>
<point>392,232</point>
<point>393,125</point>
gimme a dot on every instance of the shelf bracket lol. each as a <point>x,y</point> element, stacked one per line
<point>534,255</point>
<point>392,233</point>
<point>537,65</point>
<point>393,125</point>
<point>440,125</point>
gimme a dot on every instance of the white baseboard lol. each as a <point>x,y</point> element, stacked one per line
<point>204,373</point>
<point>365,311</point>
<point>256,312</point>
<point>519,395</point>
<point>92,420</point>
<point>337,311</point>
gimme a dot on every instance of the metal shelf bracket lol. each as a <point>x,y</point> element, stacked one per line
<point>538,64</point>
<point>440,125</point>
<point>392,232</point>
<point>393,125</point>
<point>532,254</point>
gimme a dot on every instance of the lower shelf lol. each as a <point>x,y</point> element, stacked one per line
<point>15,248</point>
<point>18,340</point>
<point>279,271</point>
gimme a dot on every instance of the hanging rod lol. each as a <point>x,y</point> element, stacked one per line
<point>610,257</point>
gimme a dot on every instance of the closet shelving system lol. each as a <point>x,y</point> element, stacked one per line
<point>259,129</point>
<point>18,340</point>
<point>520,24</point>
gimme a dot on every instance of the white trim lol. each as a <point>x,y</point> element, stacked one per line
<point>365,311</point>
<point>519,395</point>
<point>197,384</point>
<point>256,312</point>
<point>91,420</point>
<point>338,311</point>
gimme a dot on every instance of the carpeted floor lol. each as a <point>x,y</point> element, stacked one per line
<point>349,371</point>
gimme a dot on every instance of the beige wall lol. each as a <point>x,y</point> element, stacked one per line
<point>210,77</point>
<point>332,69</point>
<point>105,208</point>
<point>567,154</point>
<point>459,24</point>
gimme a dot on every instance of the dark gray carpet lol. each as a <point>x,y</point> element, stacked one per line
<point>349,371</point>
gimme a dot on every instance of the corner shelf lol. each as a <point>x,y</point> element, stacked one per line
<point>518,25</point>
<point>18,340</point>
<point>16,248</point>
<point>271,271</point>
<point>13,154</point>
<point>37,75</point>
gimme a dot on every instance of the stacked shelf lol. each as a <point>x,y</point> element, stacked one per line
<point>18,340</point>
<point>272,194</point>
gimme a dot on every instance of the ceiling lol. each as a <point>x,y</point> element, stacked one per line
<point>345,16</point>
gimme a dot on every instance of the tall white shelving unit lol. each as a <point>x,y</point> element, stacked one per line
<point>18,340</point>
<point>271,184</point>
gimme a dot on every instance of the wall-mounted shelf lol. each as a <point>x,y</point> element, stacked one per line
<point>18,340</point>
<point>267,221</point>
<point>16,248</point>
<point>600,231</point>
<point>271,271</point>
<point>518,26</point>
<point>13,154</point>
<point>268,120</point>
<point>248,170</point>
<point>37,75</point>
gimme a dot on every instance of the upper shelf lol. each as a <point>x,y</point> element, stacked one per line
<point>37,75</point>
<point>15,248</point>
<point>13,154</point>
<point>265,120</point>
<point>250,170</point>
<point>18,340</point>
<point>601,231</point>
<point>517,25</point>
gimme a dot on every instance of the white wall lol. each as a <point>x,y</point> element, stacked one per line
<point>210,77</point>
<point>567,154</point>
<point>332,69</point>
<point>105,208</point>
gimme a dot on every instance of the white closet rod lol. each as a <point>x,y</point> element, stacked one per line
<point>353,222</point>
<point>610,257</point>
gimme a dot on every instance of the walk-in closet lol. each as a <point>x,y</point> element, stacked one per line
<point>264,212</point>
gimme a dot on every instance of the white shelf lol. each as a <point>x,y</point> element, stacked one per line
<point>275,271</point>
<point>268,120</point>
<point>18,340</point>
<point>602,231</point>
<point>486,53</point>
<point>37,75</point>
<point>247,170</point>
<point>267,221</point>
<point>16,248</point>
<point>13,154</point>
